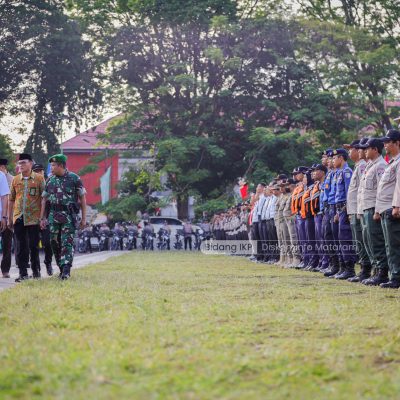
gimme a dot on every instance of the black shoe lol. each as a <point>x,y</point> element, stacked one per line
<point>392,284</point>
<point>364,274</point>
<point>49,270</point>
<point>380,277</point>
<point>66,272</point>
<point>22,278</point>
<point>348,271</point>
<point>332,271</point>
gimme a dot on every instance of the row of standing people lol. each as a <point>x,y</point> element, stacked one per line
<point>328,217</point>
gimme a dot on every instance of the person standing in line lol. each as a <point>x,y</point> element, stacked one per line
<point>385,200</point>
<point>352,211</point>
<point>187,233</point>
<point>24,214</point>
<point>375,242</point>
<point>6,233</point>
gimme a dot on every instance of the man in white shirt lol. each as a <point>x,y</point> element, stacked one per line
<point>6,234</point>
<point>4,192</point>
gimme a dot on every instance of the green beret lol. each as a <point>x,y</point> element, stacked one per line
<point>58,158</point>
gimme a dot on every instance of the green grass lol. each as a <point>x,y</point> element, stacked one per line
<point>188,326</point>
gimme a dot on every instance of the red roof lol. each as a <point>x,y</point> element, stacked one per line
<point>88,140</point>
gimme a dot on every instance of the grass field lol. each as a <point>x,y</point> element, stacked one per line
<point>190,326</point>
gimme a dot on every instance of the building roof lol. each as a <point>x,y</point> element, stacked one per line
<point>88,140</point>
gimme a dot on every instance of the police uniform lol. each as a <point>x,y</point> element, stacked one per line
<point>385,201</point>
<point>355,221</point>
<point>62,194</point>
<point>375,242</point>
<point>346,247</point>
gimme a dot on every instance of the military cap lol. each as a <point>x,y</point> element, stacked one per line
<point>391,134</point>
<point>373,142</point>
<point>37,167</point>
<point>295,171</point>
<point>352,144</point>
<point>24,156</point>
<point>302,170</point>
<point>3,161</point>
<point>341,152</point>
<point>320,167</point>
<point>58,158</point>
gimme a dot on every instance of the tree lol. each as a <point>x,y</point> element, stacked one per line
<point>49,74</point>
<point>5,149</point>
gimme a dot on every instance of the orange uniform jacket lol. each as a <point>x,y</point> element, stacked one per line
<point>315,194</point>
<point>298,193</point>
<point>305,208</point>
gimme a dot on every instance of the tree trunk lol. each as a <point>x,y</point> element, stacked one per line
<point>182,204</point>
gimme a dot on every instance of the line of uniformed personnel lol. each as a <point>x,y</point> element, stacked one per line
<point>328,217</point>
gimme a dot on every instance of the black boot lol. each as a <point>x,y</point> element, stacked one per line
<point>365,273</point>
<point>392,284</point>
<point>348,272</point>
<point>66,272</point>
<point>381,276</point>
<point>49,270</point>
<point>342,269</point>
<point>333,270</point>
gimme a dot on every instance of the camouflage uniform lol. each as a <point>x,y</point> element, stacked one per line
<point>62,193</point>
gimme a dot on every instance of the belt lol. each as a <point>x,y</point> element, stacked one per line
<point>59,207</point>
<point>341,204</point>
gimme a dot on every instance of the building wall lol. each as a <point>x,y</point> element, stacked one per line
<point>76,161</point>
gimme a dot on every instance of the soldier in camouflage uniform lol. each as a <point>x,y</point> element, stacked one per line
<point>62,192</point>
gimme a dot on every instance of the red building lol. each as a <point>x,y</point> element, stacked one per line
<point>80,150</point>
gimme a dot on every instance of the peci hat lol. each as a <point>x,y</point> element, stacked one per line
<point>3,161</point>
<point>24,156</point>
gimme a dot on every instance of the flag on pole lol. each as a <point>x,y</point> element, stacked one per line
<point>105,183</point>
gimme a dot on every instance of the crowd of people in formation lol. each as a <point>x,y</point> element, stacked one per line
<point>142,236</point>
<point>328,217</point>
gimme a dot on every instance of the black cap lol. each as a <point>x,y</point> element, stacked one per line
<point>320,167</point>
<point>281,176</point>
<point>373,142</point>
<point>327,152</point>
<point>295,171</point>
<point>3,161</point>
<point>37,167</point>
<point>25,156</point>
<point>341,152</point>
<point>362,142</point>
<point>352,144</point>
<point>302,169</point>
<point>391,134</point>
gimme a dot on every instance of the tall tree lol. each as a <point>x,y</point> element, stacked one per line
<point>50,75</point>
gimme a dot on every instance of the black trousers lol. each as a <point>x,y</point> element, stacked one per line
<point>6,239</point>
<point>46,243</point>
<point>272,239</point>
<point>27,244</point>
<point>188,240</point>
<point>257,237</point>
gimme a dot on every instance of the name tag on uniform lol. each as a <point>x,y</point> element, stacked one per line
<point>32,191</point>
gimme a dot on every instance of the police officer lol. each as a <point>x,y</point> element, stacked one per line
<point>375,242</point>
<point>318,175</point>
<point>383,207</point>
<point>63,191</point>
<point>352,210</point>
<point>346,247</point>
